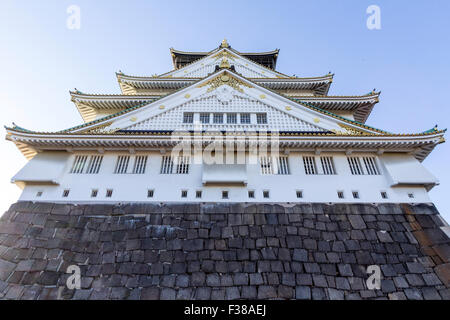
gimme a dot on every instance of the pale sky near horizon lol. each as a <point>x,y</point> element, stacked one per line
<point>407,59</point>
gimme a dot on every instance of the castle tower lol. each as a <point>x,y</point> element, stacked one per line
<point>224,168</point>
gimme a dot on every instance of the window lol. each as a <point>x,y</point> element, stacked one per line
<point>283,167</point>
<point>266,194</point>
<point>122,164</point>
<point>94,164</point>
<point>266,165</point>
<point>231,118</point>
<point>299,193</point>
<point>245,118</point>
<point>384,195</point>
<point>327,165</point>
<point>94,193</point>
<point>183,165</point>
<point>198,194</point>
<point>166,165</point>
<point>261,118</point>
<point>140,162</point>
<point>109,193</point>
<point>355,194</point>
<point>218,118</point>
<point>150,193</point>
<point>78,164</point>
<point>355,165</point>
<point>204,118</point>
<point>340,194</point>
<point>251,194</point>
<point>39,194</point>
<point>371,165</point>
<point>188,117</point>
<point>411,195</point>
<point>66,193</point>
<point>310,165</point>
<point>184,193</point>
<point>224,194</point>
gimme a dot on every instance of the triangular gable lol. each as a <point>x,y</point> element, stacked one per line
<point>262,97</point>
<point>207,65</point>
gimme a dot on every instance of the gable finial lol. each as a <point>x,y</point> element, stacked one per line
<point>224,44</point>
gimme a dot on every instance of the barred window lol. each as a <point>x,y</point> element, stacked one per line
<point>355,194</point>
<point>109,193</point>
<point>94,193</point>
<point>266,165</point>
<point>94,164</point>
<point>299,193</point>
<point>355,165</point>
<point>251,194</point>
<point>371,165</point>
<point>327,165</point>
<point>231,118</point>
<point>198,194</point>
<point>224,194</point>
<point>188,117</point>
<point>261,118</point>
<point>283,167</point>
<point>340,194</point>
<point>204,118</point>
<point>181,165</point>
<point>184,193</point>
<point>122,164</point>
<point>66,193</point>
<point>245,118</point>
<point>78,164</point>
<point>384,195</point>
<point>310,165</point>
<point>266,194</point>
<point>218,118</point>
<point>166,165</point>
<point>140,162</point>
<point>150,193</point>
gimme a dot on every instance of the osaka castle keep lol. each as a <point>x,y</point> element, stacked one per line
<point>224,179</point>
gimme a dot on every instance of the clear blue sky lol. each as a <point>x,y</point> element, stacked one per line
<point>408,59</point>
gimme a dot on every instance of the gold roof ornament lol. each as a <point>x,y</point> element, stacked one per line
<point>227,79</point>
<point>224,44</point>
<point>225,63</point>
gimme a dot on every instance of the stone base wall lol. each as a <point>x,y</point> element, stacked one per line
<point>223,251</point>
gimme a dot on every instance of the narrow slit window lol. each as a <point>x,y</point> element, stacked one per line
<point>384,195</point>
<point>109,193</point>
<point>355,194</point>
<point>66,193</point>
<point>310,165</point>
<point>184,193</point>
<point>266,194</point>
<point>122,164</point>
<point>140,164</point>
<point>340,194</point>
<point>94,164</point>
<point>299,194</point>
<point>327,165</point>
<point>251,194</point>
<point>150,193</point>
<point>224,194</point>
<point>78,164</point>
<point>198,194</point>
